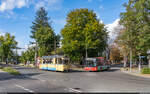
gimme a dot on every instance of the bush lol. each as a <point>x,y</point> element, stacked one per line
<point>146,70</point>
<point>11,70</point>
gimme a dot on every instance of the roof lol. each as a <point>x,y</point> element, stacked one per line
<point>53,56</point>
<point>100,57</point>
<point>92,59</point>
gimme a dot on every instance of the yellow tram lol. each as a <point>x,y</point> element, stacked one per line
<point>54,63</point>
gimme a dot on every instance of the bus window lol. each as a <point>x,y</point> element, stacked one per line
<point>91,64</point>
<point>59,61</point>
<point>95,64</point>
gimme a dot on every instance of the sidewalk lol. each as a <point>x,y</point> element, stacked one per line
<point>135,73</point>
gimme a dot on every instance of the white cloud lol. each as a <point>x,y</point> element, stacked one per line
<point>113,30</point>
<point>23,42</point>
<point>97,14</point>
<point>89,0</point>
<point>100,0</point>
<point>48,4</point>
<point>101,21</point>
<point>101,7</point>
<point>59,21</point>
<point>92,0</point>
<point>11,4</point>
<point>2,33</point>
<point>98,17</point>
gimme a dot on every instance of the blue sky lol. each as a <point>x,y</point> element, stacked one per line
<point>16,16</point>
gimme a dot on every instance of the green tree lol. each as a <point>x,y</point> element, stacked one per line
<point>43,33</point>
<point>136,25</point>
<point>83,31</point>
<point>115,53</point>
<point>28,55</point>
<point>142,8</point>
<point>7,45</point>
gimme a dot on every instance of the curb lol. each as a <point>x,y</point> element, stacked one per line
<point>134,74</point>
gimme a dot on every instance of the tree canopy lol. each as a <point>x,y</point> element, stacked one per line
<point>7,46</point>
<point>83,31</point>
<point>43,33</point>
<point>135,36</point>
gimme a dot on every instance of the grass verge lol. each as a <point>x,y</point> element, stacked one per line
<point>146,71</point>
<point>1,67</point>
<point>10,70</point>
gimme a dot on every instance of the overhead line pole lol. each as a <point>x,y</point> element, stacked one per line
<point>86,48</point>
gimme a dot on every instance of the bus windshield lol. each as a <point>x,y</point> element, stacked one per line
<point>90,63</point>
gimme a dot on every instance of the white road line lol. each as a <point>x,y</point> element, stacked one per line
<point>75,90</point>
<point>24,88</point>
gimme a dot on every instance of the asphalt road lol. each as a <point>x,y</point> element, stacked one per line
<point>34,80</point>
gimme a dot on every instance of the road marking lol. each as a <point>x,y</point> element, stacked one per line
<point>75,90</point>
<point>24,88</point>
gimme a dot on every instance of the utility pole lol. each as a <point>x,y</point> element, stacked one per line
<point>139,62</point>
<point>86,53</point>
<point>130,59</point>
<point>55,45</point>
<point>35,52</point>
<point>16,55</point>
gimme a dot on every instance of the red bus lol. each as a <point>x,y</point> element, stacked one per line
<point>96,64</point>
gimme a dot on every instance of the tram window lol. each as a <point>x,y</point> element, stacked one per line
<point>65,62</point>
<point>59,61</point>
<point>49,61</point>
<point>44,61</point>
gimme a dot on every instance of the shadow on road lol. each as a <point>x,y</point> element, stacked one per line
<point>73,71</point>
<point>117,65</point>
<point>4,76</point>
<point>109,70</point>
<point>18,67</point>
